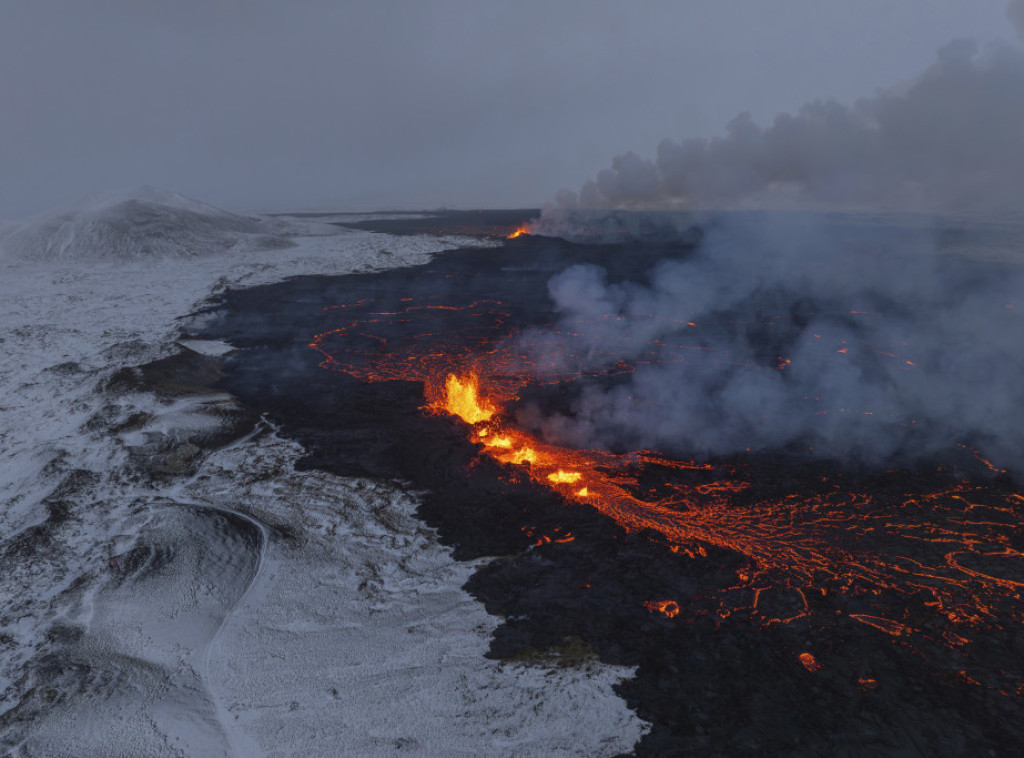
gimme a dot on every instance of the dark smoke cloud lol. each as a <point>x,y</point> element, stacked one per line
<point>851,301</point>
<point>951,140</point>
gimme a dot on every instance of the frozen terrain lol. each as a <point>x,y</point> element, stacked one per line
<point>142,224</point>
<point>163,597</point>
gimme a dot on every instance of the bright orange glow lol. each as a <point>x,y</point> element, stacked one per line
<point>886,625</point>
<point>952,552</point>
<point>669,608</point>
<point>565,477</point>
<point>520,457</point>
<point>462,399</point>
<point>520,230</point>
<point>810,663</point>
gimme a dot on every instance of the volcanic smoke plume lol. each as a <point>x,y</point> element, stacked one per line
<point>884,340</point>
<point>951,140</point>
<point>851,337</point>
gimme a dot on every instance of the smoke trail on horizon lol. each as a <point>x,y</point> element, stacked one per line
<point>951,140</point>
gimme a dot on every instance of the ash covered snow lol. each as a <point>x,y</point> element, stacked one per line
<point>165,596</point>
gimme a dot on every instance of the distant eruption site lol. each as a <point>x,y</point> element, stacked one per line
<point>930,559</point>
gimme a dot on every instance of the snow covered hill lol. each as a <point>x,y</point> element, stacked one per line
<point>140,224</point>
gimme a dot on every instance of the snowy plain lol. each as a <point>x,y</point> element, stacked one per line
<point>157,599</point>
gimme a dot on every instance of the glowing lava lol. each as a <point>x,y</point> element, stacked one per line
<point>521,230</point>
<point>462,398</point>
<point>667,608</point>
<point>565,477</point>
<point>932,563</point>
<point>809,662</point>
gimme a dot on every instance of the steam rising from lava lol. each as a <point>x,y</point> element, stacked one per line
<point>849,337</point>
<point>929,559</point>
<point>881,347</point>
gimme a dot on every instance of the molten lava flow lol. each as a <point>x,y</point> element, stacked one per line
<point>668,608</point>
<point>520,230</point>
<point>520,457</point>
<point>931,564</point>
<point>504,442</point>
<point>565,477</point>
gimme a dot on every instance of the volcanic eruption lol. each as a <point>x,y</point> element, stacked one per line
<point>681,444</point>
<point>949,545</point>
<point>722,446</point>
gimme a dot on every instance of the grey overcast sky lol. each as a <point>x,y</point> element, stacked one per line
<point>317,104</point>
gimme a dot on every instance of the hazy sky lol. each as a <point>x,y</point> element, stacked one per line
<point>251,104</point>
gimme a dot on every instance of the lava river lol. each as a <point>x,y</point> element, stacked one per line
<point>928,559</point>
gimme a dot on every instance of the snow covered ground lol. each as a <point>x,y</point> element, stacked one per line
<point>157,599</point>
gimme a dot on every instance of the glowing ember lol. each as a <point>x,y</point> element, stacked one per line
<point>502,442</point>
<point>809,661</point>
